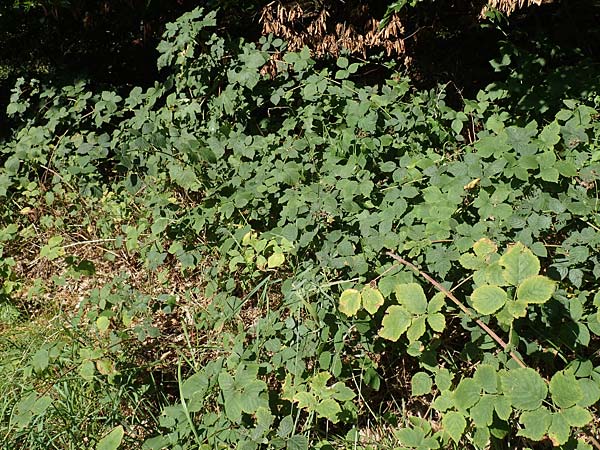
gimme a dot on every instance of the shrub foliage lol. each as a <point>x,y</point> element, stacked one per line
<point>368,253</point>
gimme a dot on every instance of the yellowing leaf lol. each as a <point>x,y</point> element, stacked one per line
<point>396,321</point>
<point>275,260</point>
<point>519,263</point>
<point>372,299</point>
<point>488,299</point>
<point>472,184</point>
<point>105,367</point>
<point>559,431</point>
<point>484,247</point>
<point>536,289</point>
<point>102,323</point>
<point>350,302</point>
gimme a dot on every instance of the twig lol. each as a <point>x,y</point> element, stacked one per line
<point>593,440</point>
<point>93,241</point>
<point>458,303</point>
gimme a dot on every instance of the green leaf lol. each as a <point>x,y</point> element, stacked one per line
<point>372,299</point>
<point>437,322</point>
<point>412,297</point>
<point>519,263</point>
<point>559,431</point>
<point>550,135</point>
<point>454,424</point>
<point>350,302</point>
<point>443,379</point>
<point>306,400</point>
<point>40,360</point>
<point>536,289</point>
<point>467,393</point>
<point>102,323</point>
<point>410,437</point>
<point>577,416</point>
<point>86,370</point>
<point>565,390</point>
<point>482,413</point>
<point>536,424</point>
<point>502,407</point>
<point>591,392</point>
<point>112,440</point>
<point>436,303</point>
<point>396,321</point>
<point>297,442</point>
<point>481,438</point>
<point>487,377</point>
<point>342,62</point>
<point>421,384</point>
<point>488,299</point>
<point>524,388</point>
<point>341,392</point>
<point>329,409</point>
<point>416,329</point>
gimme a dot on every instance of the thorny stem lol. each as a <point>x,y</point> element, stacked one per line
<point>458,303</point>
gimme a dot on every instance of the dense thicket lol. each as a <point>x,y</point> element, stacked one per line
<point>260,245</point>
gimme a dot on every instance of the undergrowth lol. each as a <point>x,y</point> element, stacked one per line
<point>267,252</point>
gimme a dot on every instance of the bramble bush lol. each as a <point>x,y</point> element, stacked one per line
<point>333,209</point>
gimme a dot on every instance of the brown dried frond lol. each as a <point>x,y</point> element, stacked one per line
<point>509,6</point>
<point>326,30</point>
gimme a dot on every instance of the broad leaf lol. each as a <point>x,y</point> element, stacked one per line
<point>467,393</point>
<point>421,384</point>
<point>488,299</point>
<point>454,424</point>
<point>372,299</point>
<point>396,321</point>
<point>519,263</point>
<point>577,416</point>
<point>565,390</point>
<point>350,302</point>
<point>524,388</point>
<point>112,440</point>
<point>559,430</point>
<point>536,423</point>
<point>413,298</point>
<point>437,322</point>
<point>535,289</point>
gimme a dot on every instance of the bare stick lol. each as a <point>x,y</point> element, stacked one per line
<point>458,303</point>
